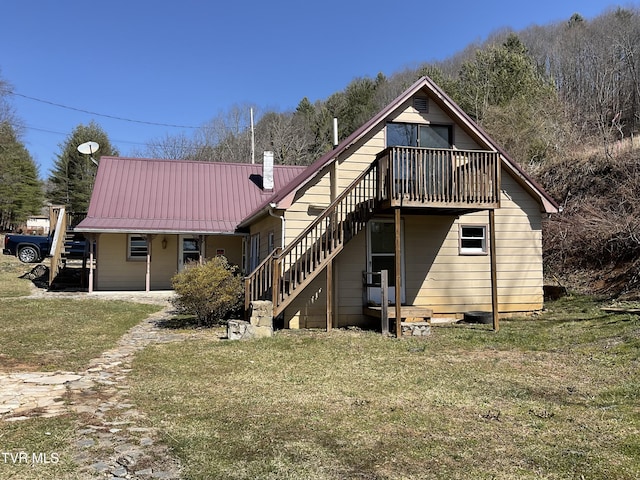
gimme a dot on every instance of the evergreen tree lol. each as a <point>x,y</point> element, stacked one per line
<point>71,180</point>
<point>498,75</point>
<point>21,192</point>
<point>503,89</point>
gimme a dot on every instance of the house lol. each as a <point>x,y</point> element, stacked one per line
<point>420,192</point>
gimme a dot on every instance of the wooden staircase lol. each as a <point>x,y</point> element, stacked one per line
<point>57,217</point>
<point>60,274</point>
<point>285,273</point>
<point>423,179</point>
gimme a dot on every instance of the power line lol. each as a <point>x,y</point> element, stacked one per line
<point>114,140</point>
<point>113,117</point>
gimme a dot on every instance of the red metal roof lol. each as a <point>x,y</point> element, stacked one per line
<point>148,195</point>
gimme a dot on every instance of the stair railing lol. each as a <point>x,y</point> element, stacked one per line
<point>305,257</point>
<point>57,243</point>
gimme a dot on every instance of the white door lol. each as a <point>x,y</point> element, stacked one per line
<point>188,250</point>
<point>381,256</point>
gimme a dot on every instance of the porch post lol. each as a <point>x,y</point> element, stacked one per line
<point>90,239</point>
<point>398,288</point>
<point>494,274</point>
<point>201,249</point>
<point>329,295</point>
<point>147,277</point>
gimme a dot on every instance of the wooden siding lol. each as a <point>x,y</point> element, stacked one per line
<point>231,244</point>
<point>309,309</point>
<point>263,227</point>
<point>115,272</point>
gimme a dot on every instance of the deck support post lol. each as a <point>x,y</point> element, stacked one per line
<point>329,295</point>
<point>147,276</point>
<point>398,265</point>
<point>494,273</point>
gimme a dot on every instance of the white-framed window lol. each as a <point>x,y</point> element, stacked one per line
<point>137,247</point>
<point>473,240</point>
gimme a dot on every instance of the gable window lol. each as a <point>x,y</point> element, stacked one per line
<point>415,135</point>
<point>473,239</point>
<point>137,248</point>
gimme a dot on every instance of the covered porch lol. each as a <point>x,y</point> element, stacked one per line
<point>147,261</point>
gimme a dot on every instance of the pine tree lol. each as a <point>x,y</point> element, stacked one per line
<point>71,180</point>
<point>21,192</point>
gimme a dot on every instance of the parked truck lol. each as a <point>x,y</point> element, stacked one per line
<point>34,248</point>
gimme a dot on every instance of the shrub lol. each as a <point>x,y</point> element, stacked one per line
<point>211,291</point>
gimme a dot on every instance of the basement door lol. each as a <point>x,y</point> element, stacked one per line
<point>381,256</point>
<point>188,250</point>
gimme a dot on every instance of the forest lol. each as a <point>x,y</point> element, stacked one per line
<point>563,99</point>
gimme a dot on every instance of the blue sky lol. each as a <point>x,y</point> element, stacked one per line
<point>185,62</point>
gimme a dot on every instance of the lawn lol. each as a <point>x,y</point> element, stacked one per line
<point>48,334</point>
<point>43,334</point>
<point>11,285</point>
<point>555,397</point>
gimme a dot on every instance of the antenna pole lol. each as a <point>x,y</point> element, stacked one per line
<point>253,140</point>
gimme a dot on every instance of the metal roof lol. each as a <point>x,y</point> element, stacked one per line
<point>173,196</point>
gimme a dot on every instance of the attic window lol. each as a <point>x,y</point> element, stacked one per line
<point>421,104</point>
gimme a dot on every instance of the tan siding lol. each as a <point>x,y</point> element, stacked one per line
<point>350,264</point>
<point>264,227</point>
<point>114,272</point>
<point>164,262</point>
<point>456,283</point>
<point>309,309</point>
<point>231,244</point>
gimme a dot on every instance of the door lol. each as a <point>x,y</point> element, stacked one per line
<point>188,251</point>
<point>381,256</point>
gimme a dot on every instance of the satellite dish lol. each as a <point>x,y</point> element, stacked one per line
<point>88,148</point>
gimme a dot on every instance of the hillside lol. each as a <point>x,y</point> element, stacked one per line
<point>593,246</point>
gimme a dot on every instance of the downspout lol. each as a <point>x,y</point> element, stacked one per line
<point>282,223</point>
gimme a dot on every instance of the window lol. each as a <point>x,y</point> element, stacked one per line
<point>414,135</point>
<point>137,248</point>
<point>254,252</point>
<point>473,239</point>
<point>271,244</point>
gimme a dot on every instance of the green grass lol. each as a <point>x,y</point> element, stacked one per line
<point>549,397</point>
<point>11,285</point>
<point>42,448</point>
<point>62,334</point>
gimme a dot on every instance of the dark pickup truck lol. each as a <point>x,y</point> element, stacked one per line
<point>34,248</point>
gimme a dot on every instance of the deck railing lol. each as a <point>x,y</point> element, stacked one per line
<point>446,178</point>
